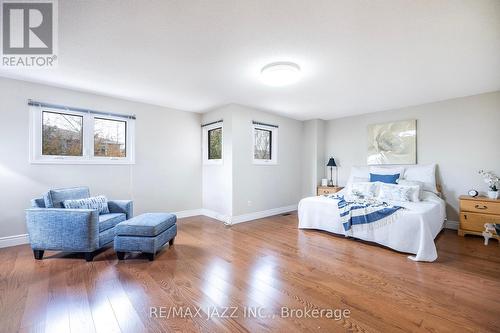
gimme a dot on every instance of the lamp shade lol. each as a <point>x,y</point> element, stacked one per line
<point>331,162</point>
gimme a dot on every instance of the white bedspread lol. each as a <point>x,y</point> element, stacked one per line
<point>413,232</point>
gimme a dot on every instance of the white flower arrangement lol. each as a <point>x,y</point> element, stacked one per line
<point>491,179</point>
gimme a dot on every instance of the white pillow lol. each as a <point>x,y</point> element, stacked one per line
<point>388,170</point>
<point>99,203</point>
<point>348,187</point>
<point>359,172</point>
<point>360,180</point>
<point>363,190</point>
<point>392,192</point>
<point>423,173</point>
<point>406,182</point>
<point>415,195</point>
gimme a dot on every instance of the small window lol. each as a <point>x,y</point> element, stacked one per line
<point>62,134</point>
<point>215,143</point>
<point>110,138</point>
<point>263,144</point>
<point>265,140</point>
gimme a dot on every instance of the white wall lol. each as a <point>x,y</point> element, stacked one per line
<point>166,176</point>
<point>321,158</point>
<point>313,155</point>
<point>218,178</point>
<point>460,135</point>
<point>238,186</point>
<point>262,187</point>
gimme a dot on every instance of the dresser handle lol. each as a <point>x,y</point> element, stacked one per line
<point>481,207</point>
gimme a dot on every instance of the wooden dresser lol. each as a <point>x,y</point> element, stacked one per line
<point>322,190</point>
<point>475,212</point>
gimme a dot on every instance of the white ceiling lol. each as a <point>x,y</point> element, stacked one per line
<point>357,56</point>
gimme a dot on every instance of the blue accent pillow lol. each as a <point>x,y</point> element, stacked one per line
<point>388,179</point>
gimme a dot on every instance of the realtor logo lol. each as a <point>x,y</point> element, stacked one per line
<point>29,36</point>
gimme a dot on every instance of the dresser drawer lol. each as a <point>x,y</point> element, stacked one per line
<point>483,207</point>
<point>476,221</point>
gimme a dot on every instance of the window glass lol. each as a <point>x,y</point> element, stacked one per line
<point>110,138</point>
<point>263,144</point>
<point>215,144</point>
<point>62,134</point>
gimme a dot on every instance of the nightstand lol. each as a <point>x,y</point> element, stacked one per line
<point>475,212</point>
<point>322,190</point>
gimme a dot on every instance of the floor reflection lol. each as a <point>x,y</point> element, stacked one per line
<point>215,285</point>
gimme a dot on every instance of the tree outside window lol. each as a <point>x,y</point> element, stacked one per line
<point>215,143</point>
<point>62,134</point>
<point>263,144</point>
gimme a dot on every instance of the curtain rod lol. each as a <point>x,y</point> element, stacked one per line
<point>71,108</point>
<point>264,124</point>
<point>213,122</point>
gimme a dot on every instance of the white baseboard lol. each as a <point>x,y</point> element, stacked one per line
<point>215,215</point>
<point>188,213</point>
<point>14,240</point>
<point>262,214</point>
<point>451,225</point>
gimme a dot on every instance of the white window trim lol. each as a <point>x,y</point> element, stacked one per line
<point>88,157</point>
<point>274,145</point>
<point>207,128</point>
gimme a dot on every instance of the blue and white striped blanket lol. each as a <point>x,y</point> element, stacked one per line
<point>365,213</point>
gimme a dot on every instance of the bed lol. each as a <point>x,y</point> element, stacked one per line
<point>412,231</point>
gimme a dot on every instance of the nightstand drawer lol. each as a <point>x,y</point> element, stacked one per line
<point>325,190</point>
<point>475,221</point>
<point>483,207</point>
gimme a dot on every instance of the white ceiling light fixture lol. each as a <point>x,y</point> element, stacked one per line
<point>279,74</point>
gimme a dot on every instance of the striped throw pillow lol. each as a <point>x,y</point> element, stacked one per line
<point>100,203</point>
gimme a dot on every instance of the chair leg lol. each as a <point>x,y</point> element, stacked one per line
<point>38,254</point>
<point>120,255</point>
<point>171,242</point>
<point>151,256</point>
<point>89,256</point>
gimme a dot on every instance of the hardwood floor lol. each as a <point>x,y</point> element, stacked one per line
<point>265,266</point>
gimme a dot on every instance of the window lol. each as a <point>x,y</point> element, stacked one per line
<point>263,144</point>
<point>213,143</point>
<point>71,137</point>
<point>110,138</point>
<point>62,134</point>
<point>265,139</point>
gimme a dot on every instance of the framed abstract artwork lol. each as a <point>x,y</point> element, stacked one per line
<point>392,143</point>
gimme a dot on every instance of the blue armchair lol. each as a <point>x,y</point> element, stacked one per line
<point>53,227</point>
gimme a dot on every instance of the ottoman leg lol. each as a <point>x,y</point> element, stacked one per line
<point>120,255</point>
<point>171,242</point>
<point>151,256</point>
<point>38,254</point>
<point>89,256</point>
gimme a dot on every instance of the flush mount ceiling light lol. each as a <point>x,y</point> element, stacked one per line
<point>280,73</point>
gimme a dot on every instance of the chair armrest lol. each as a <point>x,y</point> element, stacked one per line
<point>61,229</point>
<point>122,206</point>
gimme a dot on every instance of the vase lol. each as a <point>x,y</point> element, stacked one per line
<point>493,194</point>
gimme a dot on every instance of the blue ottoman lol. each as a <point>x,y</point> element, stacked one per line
<point>145,233</point>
